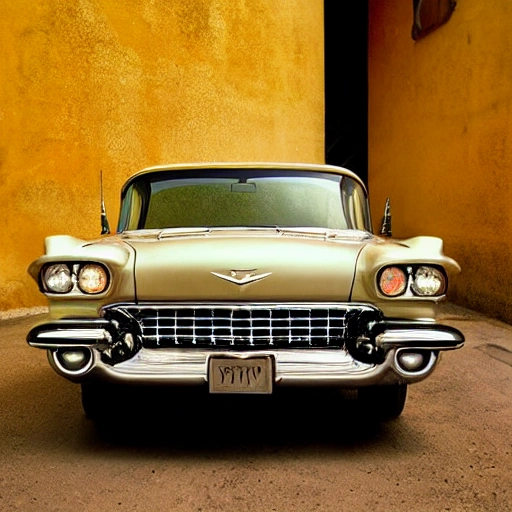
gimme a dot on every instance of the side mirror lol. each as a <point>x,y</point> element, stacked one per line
<point>385,229</point>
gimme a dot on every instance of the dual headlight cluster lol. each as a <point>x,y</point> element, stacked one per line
<point>420,280</point>
<point>89,278</point>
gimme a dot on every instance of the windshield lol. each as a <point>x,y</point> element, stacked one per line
<point>252,198</point>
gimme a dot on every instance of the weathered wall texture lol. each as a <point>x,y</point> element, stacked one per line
<point>440,145</point>
<point>117,85</point>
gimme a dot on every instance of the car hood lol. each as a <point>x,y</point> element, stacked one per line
<point>246,265</point>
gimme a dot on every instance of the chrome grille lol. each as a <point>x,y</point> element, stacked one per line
<point>239,327</point>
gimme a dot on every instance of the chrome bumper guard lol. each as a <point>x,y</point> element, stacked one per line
<point>68,333</point>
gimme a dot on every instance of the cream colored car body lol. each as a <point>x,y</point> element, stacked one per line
<point>181,266</point>
<point>243,268</point>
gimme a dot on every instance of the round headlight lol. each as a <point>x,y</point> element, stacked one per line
<point>57,278</point>
<point>392,281</point>
<point>92,278</point>
<point>428,281</point>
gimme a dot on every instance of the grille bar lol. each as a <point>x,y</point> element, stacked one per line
<point>241,327</point>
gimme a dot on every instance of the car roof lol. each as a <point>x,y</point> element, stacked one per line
<point>245,165</point>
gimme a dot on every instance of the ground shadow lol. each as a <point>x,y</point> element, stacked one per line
<point>191,422</point>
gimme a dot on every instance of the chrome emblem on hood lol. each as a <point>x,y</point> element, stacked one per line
<point>241,276</point>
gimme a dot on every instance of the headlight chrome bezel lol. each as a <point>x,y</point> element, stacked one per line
<point>75,271</point>
<point>420,280</point>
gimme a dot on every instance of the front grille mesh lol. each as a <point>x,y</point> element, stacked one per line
<point>240,327</point>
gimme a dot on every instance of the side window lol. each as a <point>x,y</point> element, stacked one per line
<point>131,206</point>
<point>355,205</point>
<point>429,15</point>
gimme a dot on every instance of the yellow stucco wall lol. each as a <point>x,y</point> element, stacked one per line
<point>118,85</point>
<point>440,139</point>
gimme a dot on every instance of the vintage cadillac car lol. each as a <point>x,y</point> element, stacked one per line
<point>243,278</point>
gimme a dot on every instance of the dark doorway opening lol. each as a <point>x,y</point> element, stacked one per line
<point>346,85</point>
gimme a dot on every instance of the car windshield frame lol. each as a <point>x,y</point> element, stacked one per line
<point>294,198</point>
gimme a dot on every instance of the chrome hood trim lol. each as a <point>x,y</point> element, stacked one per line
<point>241,276</point>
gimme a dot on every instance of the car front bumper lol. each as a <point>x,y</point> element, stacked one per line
<point>396,351</point>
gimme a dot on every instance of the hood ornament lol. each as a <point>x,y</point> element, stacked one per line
<point>241,276</point>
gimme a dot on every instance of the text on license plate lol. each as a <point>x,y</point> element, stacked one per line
<point>238,375</point>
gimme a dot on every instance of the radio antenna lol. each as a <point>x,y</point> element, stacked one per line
<point>105,228</point>
<point>385,229</point>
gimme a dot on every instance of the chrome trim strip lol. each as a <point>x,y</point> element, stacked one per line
<point>433,339</point>
<point>64,338</point>
<point>245,305</point>
<point>79,334</point>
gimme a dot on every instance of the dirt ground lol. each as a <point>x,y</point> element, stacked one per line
<point>451,450</point>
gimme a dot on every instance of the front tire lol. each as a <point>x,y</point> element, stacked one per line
<point>383,402</point>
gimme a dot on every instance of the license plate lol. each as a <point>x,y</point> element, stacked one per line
<point>238,375</point>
